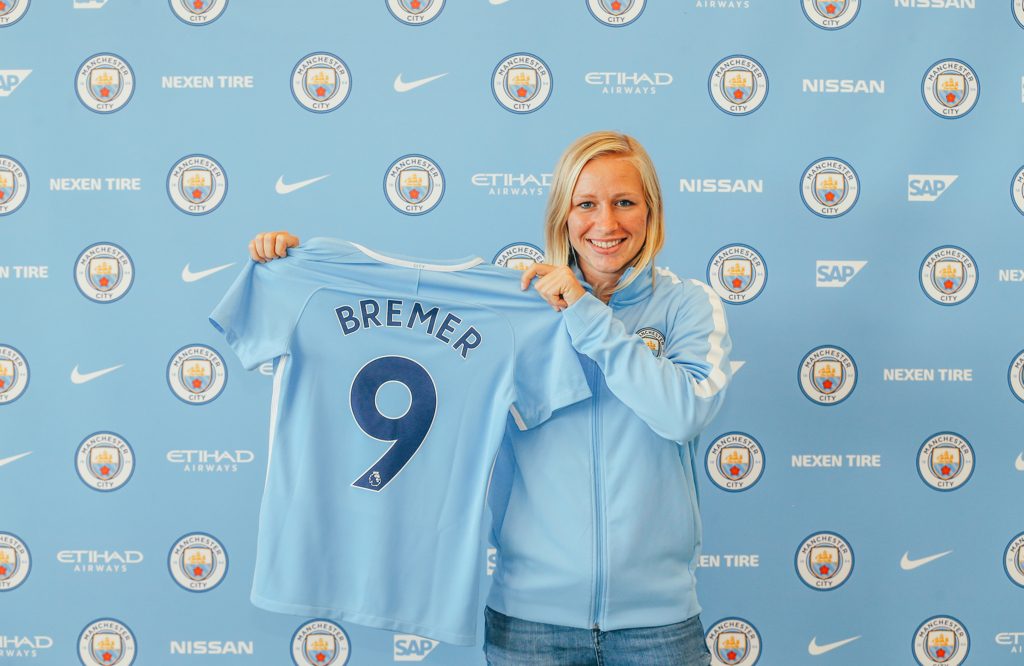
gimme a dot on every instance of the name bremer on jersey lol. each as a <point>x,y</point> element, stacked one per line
<point>371,312</point>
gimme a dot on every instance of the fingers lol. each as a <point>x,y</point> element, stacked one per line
<point>535,269</point>
<point>271,245</point>
<point>252,251</point>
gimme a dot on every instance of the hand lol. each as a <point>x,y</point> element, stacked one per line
<point>557,284</point>
<point>271,245</point>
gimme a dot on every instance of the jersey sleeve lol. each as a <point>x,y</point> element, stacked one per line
<point>260,309</point>
<point>547,370</point>
<point>678,392</point>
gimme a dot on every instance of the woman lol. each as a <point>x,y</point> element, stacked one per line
<point>596,511</point>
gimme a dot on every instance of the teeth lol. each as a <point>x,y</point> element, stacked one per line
<point>606,244</point>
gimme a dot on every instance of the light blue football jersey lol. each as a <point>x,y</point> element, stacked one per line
<point>393,382</point>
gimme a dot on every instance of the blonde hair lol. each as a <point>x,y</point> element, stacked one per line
<point>567,172</point>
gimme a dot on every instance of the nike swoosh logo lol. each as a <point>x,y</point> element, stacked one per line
<point>401,86</point>
<point>736,365</point>
<point>1020,462</point>
<point>282,188</point>
<point>79,378</point>
<point>189,276</point>
<point>908,564</point>
<point>816,649</point>
<point>4,461</point>
<point>498,2</point>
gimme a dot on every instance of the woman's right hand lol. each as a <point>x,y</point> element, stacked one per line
<point>271,245</point>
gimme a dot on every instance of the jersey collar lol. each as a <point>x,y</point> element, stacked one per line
<point>638,290</point>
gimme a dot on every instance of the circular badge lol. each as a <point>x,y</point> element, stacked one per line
<point>414,184</point>
<point>198,562</point>
<point>15,562</point>
<point>1017,6</point>
<point>14,374</point>
<point>950,88</point>
<point>738,85</point>
<point>827,375</point>
<point>1013,560</point>
<point>196,374</point>
<point>829,187</point>
<point>824,561</point>
<point>198,12</point>
<point>519,256</point>
<point>415,12</point>
<point>521,83</point>
<point>945,461</point>
<point>13,185</point>
<point>616,13</point>
<point>197,184</point>
<point>104,272</point>
<point>654,339</point>
<point>737,273</point>
<point>733,641</point>
<point>321,82</point>
<point>104,83</point>
<point>11,11</point>
<point>941,640</point>
<point>104,461</point>
<point>1015,375</point>
<point>734,462</point>
<point>1016,188</point>
<point>830,14</point>
<point>106,641</point>
<point>948,275</point>
<point>320,642</point>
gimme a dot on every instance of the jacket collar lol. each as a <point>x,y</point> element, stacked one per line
<point>638,290</point>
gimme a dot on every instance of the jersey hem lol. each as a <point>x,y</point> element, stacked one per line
<point>362,619</point>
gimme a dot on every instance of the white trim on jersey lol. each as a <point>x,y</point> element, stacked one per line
<point>716,379</point>
<point>275,396</point>
<point>415,264</point>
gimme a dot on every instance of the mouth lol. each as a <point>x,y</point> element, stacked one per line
<point>605,244</point>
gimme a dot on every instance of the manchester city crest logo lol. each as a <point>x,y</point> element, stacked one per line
<point>616,13</point>
<point>653,338</point>
<point>11,11</point>
<point>104,272</point>
<point>14,374</point>
<point>734,461</point>
<point>737,273</point>
<point>521,83</point>
<point>106,641</point>
<point>198,12</point>
<point>738,85</point>
<point>104,83</point>
<point>1015,375</point>
<point>831,14</point>
<point>827,375</point>
<point>1016,187</point>
<point>197,562</point>
<point>1013,560</point>
<point>13,185</point>
<point>104,461</point>
<point>941,640</point>
<point>414,184</point>
<point>197,184</point>
<point>829,187</point>
<point>321,82</point>
<point>196,374</point>
<point>945,461</point>
<point>948,275</point>
<point>320,642</point>
<point>733,641</point>
<point>519,256</point>
<point>950,88</point>
<point>824,561</point>
<point>415,12</point>
<point>15,562</point>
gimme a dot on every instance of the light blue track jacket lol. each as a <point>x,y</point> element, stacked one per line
<point>595,512</point>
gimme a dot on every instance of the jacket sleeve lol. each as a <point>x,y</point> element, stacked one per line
<point>677,392</point>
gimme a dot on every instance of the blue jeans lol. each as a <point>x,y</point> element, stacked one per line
<point>509,641</point>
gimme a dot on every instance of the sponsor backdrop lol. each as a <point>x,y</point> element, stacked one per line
<point>846,175</point>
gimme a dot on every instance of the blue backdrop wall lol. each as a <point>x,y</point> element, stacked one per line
<point>847,175</point>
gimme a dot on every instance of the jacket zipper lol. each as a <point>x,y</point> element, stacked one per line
<point>598,505</point>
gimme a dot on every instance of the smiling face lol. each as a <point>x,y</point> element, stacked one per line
<point>607,221</point>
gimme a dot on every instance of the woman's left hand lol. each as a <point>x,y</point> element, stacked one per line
<point>557,284</point>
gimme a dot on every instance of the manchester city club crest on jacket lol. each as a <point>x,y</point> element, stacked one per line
<point>104,83</point>
<point>653,338</point>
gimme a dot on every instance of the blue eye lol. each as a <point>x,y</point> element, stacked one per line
<point>626,202</point>
<point>586,204</point>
